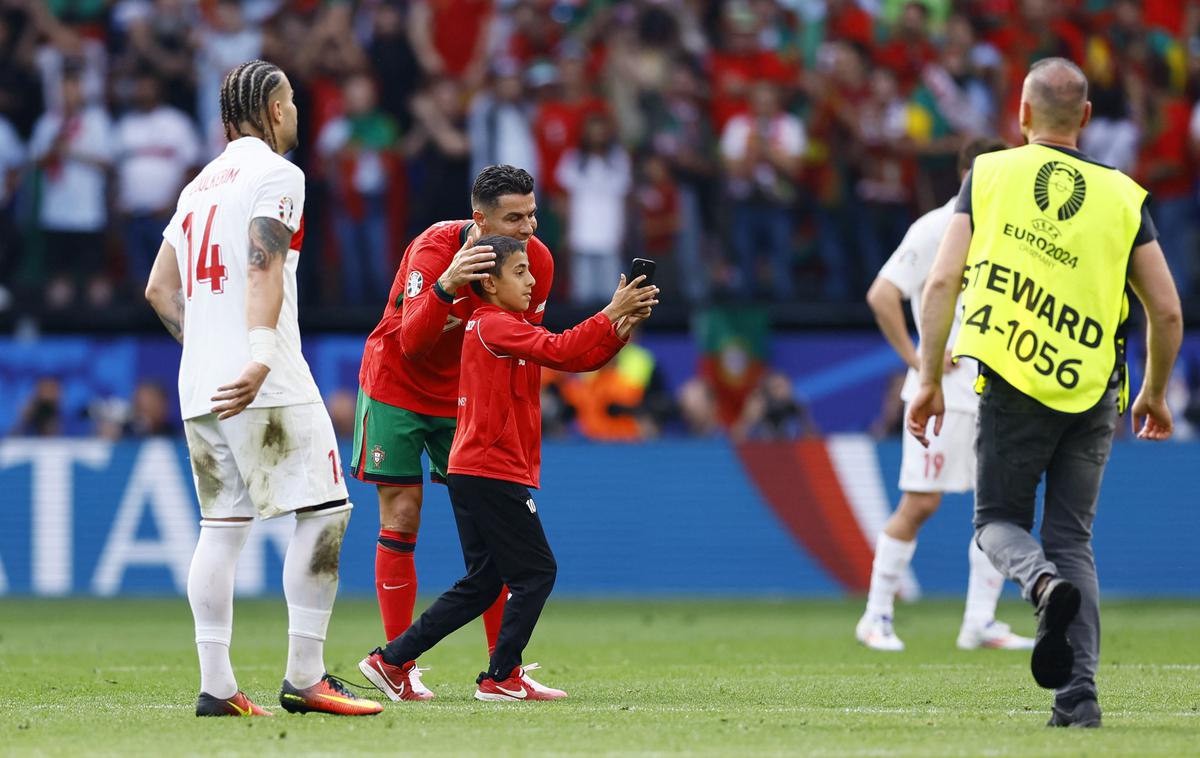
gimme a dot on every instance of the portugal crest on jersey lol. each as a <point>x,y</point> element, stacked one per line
<point>377,455</point>
<point>415,283</point>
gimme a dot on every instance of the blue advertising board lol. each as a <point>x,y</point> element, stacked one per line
<point>683,517</point>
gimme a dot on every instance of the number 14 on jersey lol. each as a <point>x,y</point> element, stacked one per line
<point>208,267</point>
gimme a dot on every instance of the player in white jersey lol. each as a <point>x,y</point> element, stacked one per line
<point>260,439</point>
<point>947,465</point>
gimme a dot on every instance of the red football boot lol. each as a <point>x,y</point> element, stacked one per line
<point>397,682</point>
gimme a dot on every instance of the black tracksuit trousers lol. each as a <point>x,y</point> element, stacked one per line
<point>503,544</point>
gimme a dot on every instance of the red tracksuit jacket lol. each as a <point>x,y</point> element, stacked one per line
<point>499,433</point>
<point>411,359</point>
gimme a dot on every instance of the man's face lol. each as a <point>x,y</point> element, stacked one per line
<point>72,94</point>
<point>513,216</point>
<point>512,289</point>
<point>284,116</point>
<point>146,94</point>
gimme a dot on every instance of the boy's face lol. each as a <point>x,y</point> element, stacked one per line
<point>512,288</point>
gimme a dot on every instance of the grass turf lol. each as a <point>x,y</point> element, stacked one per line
<point>697,677</point>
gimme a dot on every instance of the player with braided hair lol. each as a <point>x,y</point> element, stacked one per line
<point>224,285</point>
<point>244,99</point>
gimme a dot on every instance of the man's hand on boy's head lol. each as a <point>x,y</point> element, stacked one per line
<point>471,263</point>
<point>631,298</point>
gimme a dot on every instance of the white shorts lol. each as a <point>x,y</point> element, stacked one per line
<point>265,462</point>
<point>948,464</point>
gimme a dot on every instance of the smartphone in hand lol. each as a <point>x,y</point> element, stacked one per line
<point>643,266</point>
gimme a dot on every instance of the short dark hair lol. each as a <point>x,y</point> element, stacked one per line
<point>495,181</point>
<point>974,148</point>
<point>503,247</point>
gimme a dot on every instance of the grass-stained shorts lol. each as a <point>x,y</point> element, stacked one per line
<point>388,442</point>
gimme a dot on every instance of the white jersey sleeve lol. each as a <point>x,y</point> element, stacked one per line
<point>279,195</point>
<point>909,265</point>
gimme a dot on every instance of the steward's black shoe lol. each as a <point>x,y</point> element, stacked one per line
<point>1085,715</point>
<point>1053,657</point>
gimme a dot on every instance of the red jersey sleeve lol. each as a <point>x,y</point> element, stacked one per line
<point>585,347</point>
<point>424,308</point>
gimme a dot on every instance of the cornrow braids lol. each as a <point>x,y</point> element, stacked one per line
<point>244,96</point>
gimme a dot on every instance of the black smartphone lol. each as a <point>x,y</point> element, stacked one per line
<point>643,266</point>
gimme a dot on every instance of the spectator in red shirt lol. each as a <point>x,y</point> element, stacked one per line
<point>558,124</point>
<point>536,32</point>
<point>740,64</point>
<point>847,22</point>
<point>450,38</point>
<point>1165,169</point>
<point>495,458</point>
<point>909,51</point>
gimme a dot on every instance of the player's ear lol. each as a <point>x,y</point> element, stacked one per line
<point>488,284</point>
<point>478,217</point>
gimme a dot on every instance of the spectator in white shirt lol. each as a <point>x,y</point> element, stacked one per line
<point>12,160</point>
<point>500,123</point>
<point>761,152</point>
<point>597,179</point>
<point>157,149</point>
<point>72,146</point>
<point>222,43</point>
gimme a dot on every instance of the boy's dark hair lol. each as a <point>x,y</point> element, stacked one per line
<point>244,97</point>
<point>972,149</point>
<point>495,181</point>
<point>503,247</point>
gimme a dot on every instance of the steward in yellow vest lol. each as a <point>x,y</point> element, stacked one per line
<point>1044,288</point>
<point>1041,245</point>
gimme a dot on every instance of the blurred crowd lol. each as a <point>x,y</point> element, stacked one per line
<point>757,149</point>
<point>626,401</point>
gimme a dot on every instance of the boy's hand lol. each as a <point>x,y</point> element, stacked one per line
<point>631,298</point>
<point>625,325</point>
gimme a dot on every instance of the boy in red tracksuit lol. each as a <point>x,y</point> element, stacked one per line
<point>495,458</point>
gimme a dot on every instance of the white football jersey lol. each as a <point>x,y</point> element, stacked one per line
<point>210,232</point>
<point>908,268</point>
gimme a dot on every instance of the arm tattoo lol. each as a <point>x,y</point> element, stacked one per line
<point>268,238</point>
<point>173,318</point>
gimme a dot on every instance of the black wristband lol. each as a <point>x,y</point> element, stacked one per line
<point>445,296</point>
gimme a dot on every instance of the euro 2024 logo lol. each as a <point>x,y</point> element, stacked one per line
<point>1059,191</point>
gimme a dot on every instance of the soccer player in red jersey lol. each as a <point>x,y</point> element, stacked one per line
<point>408,382</point>
<point>495,459</point>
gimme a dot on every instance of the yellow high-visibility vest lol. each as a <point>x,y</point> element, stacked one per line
<point>1044,294</point>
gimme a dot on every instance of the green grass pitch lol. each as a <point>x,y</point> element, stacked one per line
<point>81,677</point>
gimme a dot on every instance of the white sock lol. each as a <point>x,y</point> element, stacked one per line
<point>310,582</point>
<point>892,557</point>
<point>210,593</point>
<point>983,588</point>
